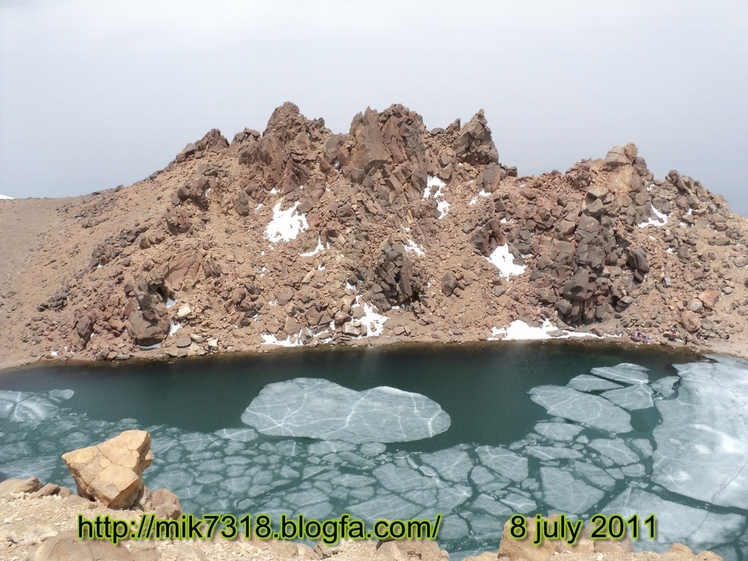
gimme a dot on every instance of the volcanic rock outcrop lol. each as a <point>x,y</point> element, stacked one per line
<point>300,236</point>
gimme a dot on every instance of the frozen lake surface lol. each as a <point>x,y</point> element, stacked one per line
<point>475,434</point>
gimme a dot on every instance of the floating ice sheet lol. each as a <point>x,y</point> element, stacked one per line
<point>316,408</point>
<point>587,383</point>
<point>624,372</point>
<point>702,443</point>
<point>503,462</point>
<point>558,431</point>
<point>696,528</point>
<point>583,408</point>
<point>631,398</point>
<point>25,406</point>
<point>453,464</point>
<point>616,450</point>
<point>697,451</point>
<point>562,491</point>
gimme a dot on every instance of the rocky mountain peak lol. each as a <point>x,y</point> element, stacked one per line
<point>301,236</point>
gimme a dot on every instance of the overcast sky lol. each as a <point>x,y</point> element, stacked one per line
<point>94,94</point>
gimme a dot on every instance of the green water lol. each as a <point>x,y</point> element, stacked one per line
<point>483,387</point>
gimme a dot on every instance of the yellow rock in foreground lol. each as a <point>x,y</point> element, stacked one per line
<point>112,472</point>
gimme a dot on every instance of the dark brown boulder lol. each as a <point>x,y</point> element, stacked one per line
<point>580,287</point>
<point>449,283</point>
<point>147,332</point>
<point>637,260</point>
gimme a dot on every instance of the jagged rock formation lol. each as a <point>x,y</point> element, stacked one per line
<point>301,236</point>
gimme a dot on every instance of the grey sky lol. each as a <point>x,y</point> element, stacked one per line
<point>95,94</point>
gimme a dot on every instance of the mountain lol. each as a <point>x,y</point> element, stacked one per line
<point>387,233</point>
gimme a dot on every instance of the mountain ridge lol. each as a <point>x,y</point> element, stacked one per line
<point>298,236</point>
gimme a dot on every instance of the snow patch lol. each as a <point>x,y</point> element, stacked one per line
<point>659,219</point>
<point>170,302</point>
<point>504,261</point>
<point>412,246</point>
<point>286,224</point>
<point>518,330</point>
<point>150,347</point>
<point>441,204</point>
<point>291,341</point>
<point>6,197</point>
<point>174,327</point>
<point>373,320</point>
<point>316,250</point>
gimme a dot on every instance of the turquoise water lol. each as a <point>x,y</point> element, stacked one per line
<point>508,447</point>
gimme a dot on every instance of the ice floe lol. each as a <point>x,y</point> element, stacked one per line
<point>702,443</point>
<point>285,224</point>
<point>698,528</point>
<point>584,408</point>
<point>317,408</point>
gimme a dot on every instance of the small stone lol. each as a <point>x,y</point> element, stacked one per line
<point>709,297</point>
<point>183,342</point>
<point>184,311</point>
<point>690,321</point>
<point>30,485</point>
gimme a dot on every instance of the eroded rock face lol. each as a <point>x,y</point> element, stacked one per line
<point>112,472</point>
<point>391,216</point>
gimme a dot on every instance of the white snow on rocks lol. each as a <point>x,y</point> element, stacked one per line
<point>316,250</point>
<point>373,320</point>
<point>518,330</point>
<point>316,408</point>
<point>286,224</point>
<point>504,261</point>
<point>5,197</point>
<point>413,246</point>
<point>290,341</point>
<point>659,219</point>
<point>441,205</point>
